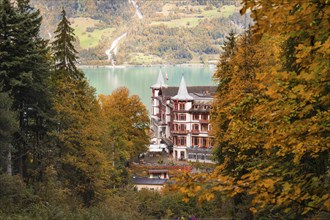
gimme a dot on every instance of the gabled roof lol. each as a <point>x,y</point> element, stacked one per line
<point>173,90</point>
<point>169,91</point>
<point>160,81</point>
<point>183,92</point>
<point>211,90</point>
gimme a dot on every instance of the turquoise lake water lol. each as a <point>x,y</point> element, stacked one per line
<point>139,79</point>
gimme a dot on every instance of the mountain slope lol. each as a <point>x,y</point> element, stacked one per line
<point>157,31</point>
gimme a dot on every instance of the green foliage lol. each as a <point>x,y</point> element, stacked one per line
<point>24,72</point>
<point>14,195</point>
<point>8,126</point>
<point>84,164</point>
<point>65,55</point>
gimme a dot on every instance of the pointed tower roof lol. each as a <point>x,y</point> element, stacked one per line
<point>183,92</point>
<point>160,81</point>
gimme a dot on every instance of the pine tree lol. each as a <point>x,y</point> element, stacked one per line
<point>25,71</point>
<point>84,165</point>
<point>8,126</point>
<point>224,69</point>
<point>7,21</point>
<point>229,45</point>
<point>65,55</point>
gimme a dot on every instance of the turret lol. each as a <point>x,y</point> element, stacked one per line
<point>183,92</point>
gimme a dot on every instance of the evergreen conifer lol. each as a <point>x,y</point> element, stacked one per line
<point>65,55</point>
<point>25,71</point>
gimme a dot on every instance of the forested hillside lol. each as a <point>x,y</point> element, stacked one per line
<point>161,32</point>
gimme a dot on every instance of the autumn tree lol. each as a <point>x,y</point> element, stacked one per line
<point>271,120</point>
<point>126,120</point>
<point>296,114</point>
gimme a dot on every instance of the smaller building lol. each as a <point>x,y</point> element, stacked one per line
<point>158,174</point>
<point>154,184</point>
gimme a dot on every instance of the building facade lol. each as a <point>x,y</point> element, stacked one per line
<point>180,118</point>
<point>149,183</point>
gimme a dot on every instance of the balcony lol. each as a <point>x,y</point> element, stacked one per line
<point>179,132</point>
<point>198,149</point>
<point>195,131</point>
<point>203,121</point>
<point>204,131</point>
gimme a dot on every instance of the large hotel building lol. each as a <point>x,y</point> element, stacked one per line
<point>180,118</point>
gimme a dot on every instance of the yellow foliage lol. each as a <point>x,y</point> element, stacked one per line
<point>270,114</point>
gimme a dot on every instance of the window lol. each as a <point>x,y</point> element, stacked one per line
<point>175,127</point>
<point>204,142</point>
<point>195,116</point>
<point>201,156</point>
<point>205,117</point>
<point>195,141</point>
<point>195,127</point>
<point>182,105</point>
<point>192,156</point>
<point>204,127</point>
<point>182,117</point>
<point>181,141</point>
<point>182,127</point>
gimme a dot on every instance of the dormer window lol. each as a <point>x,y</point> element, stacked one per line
<point>182,105</point>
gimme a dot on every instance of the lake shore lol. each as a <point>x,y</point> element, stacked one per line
<point>148,65</point>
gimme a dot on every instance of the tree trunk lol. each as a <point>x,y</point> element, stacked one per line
<point>9,167</point>
<point>20,165</point>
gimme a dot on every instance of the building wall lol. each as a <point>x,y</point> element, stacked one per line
<point>149,187</point>
<point>173,119</point>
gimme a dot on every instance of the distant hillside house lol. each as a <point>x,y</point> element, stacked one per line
<point>158,174</point>
<point>180,117</point>
<point>148,183</point>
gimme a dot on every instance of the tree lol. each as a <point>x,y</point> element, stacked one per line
<point>271,119</point>
<point>65,55</point>
<point>84,164</point>
<point>8,126</point>
<point>24,71</point>
<point>297,112</point>
<point>126,123</point>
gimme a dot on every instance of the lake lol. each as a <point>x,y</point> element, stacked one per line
<point>138,79</point>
